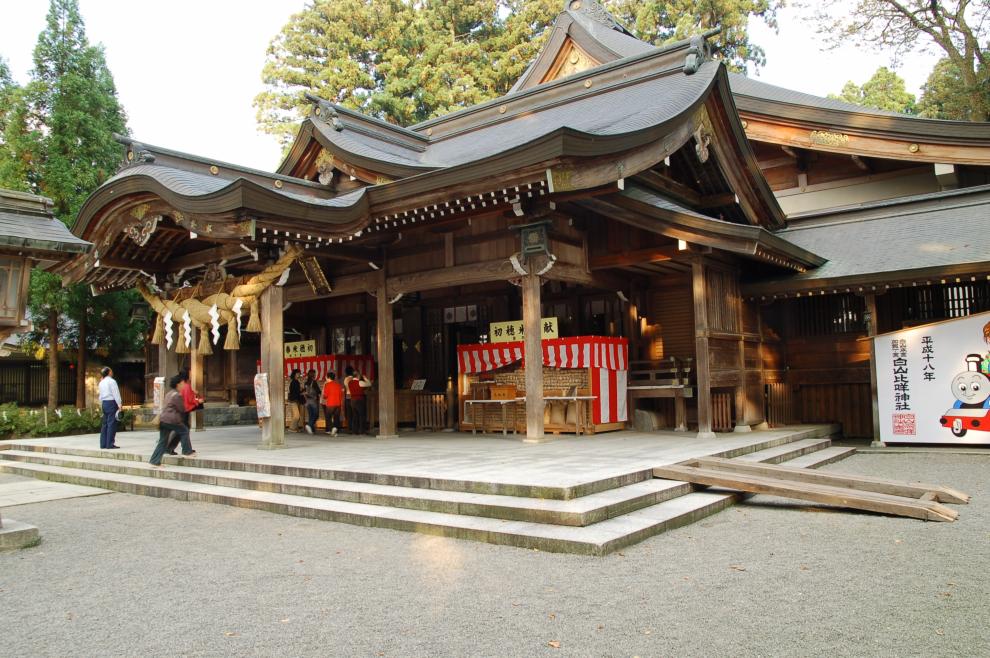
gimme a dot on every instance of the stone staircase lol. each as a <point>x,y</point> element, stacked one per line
<point>593,518</point>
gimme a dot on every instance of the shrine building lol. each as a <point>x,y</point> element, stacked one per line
<point>693,243</point>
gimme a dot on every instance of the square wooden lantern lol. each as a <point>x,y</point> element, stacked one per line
<point>15,280</point>
<point>534,238</point>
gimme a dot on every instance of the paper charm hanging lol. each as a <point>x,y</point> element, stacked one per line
<point>187,328</point>
<point>215,323</point>
<point>237,311</point>
<point>168,329</point>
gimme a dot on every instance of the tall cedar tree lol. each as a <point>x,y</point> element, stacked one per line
<point>406,61</point>
<point>885,90</point>
<point>58,142</point>
<point>960,30</point>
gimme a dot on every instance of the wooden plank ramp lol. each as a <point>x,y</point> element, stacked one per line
<point>919,501</point>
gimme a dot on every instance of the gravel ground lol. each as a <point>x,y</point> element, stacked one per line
<point>129,575</point>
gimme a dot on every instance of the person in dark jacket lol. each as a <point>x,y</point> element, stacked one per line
<point>312,393</point>
<point>296,403</point>
<point>172,419</point>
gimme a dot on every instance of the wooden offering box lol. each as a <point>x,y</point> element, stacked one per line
<point>589,367</point>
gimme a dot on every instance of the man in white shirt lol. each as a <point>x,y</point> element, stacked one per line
<point>111,403</point>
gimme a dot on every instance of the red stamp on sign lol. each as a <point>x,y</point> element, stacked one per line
<point>904,424</point>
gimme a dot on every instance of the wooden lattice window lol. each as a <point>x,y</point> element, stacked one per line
<point>826,315</point>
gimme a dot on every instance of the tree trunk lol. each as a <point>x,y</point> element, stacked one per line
<point>81,367</point>
<point>53,359</point>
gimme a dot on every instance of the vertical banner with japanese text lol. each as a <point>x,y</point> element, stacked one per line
<point>933,382</point>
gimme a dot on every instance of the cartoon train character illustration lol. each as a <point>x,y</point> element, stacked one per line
<point>971,410</point>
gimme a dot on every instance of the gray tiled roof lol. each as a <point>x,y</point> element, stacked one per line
<point>26,223</point>
<point>930,231</point>
<point>745,86</point>
<point>626,108</point>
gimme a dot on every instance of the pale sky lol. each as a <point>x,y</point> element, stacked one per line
<point>187,71</point>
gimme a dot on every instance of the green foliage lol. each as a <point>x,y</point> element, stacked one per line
<point>960,29</point>
<point>947,95</point>
<point>885,90</point>
<point>18,422</point>
<point>663,22</point>
<point>406,61</point>
<point>58,141</point>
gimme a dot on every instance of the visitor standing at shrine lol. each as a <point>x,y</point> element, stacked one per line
<point>312,393</point>
<point>296,402</point>
<point>333,399</point>
<point>356,383</point>
<point>110,403</point>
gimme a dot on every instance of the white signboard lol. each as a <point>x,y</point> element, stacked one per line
<point>261,397</point>
<point>158,390</point>
<point>933,382</point>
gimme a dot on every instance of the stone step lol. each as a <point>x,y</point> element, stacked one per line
<point>596,539</point>
<point>418,482</point>
<point>787,451</point>
<point>582,511</point>
<point>822,457</point>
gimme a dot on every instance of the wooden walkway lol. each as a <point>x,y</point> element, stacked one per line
<point>915,500</point>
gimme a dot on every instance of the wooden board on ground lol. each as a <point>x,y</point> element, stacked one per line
<point>918,490</point>
<point>839,495</point>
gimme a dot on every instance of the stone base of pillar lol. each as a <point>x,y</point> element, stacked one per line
<point>738,429</point>
<point>762,427</point>
<point>270,446</point>
<point>386,436</point>
<point>878,444</point>
<point>706,435</point>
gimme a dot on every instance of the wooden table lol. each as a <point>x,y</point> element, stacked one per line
<point>505,423</point>
<point>580,420</point>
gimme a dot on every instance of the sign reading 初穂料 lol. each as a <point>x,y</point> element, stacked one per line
<point>506,332</point>
<point>933,382</point>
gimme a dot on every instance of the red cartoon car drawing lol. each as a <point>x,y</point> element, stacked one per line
<point>971,411</point>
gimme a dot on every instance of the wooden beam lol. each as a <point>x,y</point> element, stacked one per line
<point>351,284</point>
<point>533,355</point>
<point>842,496</point>
<point>701,361</point>
<point>857,482</point>
<point>459,275</point>
<point>636,257</point>
<point>668,186</point>
<point>860,162</point>
<point>860,142</point>
<point>205,257</point>
<point>387,428</point>
<point>273,429</point>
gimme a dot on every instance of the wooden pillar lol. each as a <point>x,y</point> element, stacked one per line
<point>273,429</point>
<point>701,363</point>
<point>741,398</point>
<point>871,330</point>
<point>231,377</point>
<point>168,362</point>
<point>387,428</point>
<point>533,355</point>
<point>197,380</point>
<point>632,322</point>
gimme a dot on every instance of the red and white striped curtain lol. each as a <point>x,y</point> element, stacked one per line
<point>362,363</point>
<point>606,358</point>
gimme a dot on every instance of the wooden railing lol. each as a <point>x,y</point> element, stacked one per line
<point>431,411</point>
<point>722,411</point>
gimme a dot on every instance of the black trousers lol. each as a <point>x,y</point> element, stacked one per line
<point>359,415</point>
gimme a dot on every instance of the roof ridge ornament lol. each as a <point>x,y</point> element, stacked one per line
<point>325,110</point>
<point>699,52</point>
<point>136,151</point>
<point>595,11</point>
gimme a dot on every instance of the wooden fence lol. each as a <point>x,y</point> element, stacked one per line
<point>431,411</point>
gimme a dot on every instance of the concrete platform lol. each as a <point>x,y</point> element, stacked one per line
<point>589,495</point>
<point>14,534</point>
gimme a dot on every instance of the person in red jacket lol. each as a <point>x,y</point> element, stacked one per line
<point>333,400</point>
<point>356,383</point>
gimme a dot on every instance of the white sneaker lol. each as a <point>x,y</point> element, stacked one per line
<point>309,430</point>
<point>333,432</point>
